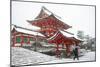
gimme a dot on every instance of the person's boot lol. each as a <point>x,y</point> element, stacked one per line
<point>74,58</point>
<point>77,58</point>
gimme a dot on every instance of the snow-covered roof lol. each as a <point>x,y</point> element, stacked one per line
<point>53,36</point>
<point>44,11</point>
<point>49,45</point>
<point>12,27</point>
<point>78,38</point>
<point>66,34</point>
<point>28,31</point>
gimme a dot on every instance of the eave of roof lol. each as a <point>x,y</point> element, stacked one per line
<point>37,21</point>
<point>27,31</point>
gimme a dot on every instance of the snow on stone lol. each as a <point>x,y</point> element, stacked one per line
<point>21,56</point>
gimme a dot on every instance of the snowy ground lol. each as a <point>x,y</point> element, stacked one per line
<point>89,56</point>
<point>21,56</point>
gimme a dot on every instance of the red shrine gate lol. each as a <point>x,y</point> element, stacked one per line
<point>50,25</point>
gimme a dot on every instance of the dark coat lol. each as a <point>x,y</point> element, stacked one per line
<point>75,51</point>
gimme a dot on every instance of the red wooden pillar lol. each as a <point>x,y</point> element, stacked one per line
<point>62,45</point>
<point>68,49</point>
<point>57,50</point>
<point>14,39</point>
<point>22,39</point>
<point>28,39</point>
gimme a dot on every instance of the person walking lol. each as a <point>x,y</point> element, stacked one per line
<point>75,52</point>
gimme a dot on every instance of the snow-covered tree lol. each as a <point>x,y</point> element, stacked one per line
<point>80,34</point>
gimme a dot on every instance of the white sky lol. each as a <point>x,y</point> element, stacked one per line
<point>79,17</point>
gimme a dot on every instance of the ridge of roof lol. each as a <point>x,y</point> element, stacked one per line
<point>45,11</point>
<point>51,15</point>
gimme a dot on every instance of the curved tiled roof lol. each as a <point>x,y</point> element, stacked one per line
<point>47,18</point>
